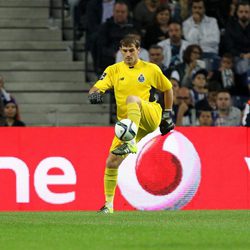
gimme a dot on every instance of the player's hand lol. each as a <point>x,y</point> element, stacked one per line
<point>167,123</point>
<point>95,98</point>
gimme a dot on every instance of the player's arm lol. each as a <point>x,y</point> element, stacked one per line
<point>100,87</point>
<point>168,99</point>
<point>164,85</point>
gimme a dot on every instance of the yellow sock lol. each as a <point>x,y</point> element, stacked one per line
<point>110,182</point>
<point>134,113</point>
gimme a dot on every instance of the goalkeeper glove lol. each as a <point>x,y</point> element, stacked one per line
<point>95,98</point>
<point>166,122</point>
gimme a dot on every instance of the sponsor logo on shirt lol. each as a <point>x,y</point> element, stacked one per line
<point>103,76</point>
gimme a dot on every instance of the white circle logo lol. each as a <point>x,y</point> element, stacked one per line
<point>164,174</point>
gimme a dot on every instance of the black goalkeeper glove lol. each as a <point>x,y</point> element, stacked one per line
<point>95,98</point>
<point>166,122</point>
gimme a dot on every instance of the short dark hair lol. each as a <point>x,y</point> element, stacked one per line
<point>205,109</point>
<point>155,46</point>
<point>130,40</point>
<point>228,55</point>
<point>160,8</point>
<point>197,1</point>
<point>224,91</point>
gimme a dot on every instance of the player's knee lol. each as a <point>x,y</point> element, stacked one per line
<point>114,161</point>
<point>133,98</point>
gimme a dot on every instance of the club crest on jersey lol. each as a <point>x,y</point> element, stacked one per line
<point>103,76</point>
<point>141,78</point>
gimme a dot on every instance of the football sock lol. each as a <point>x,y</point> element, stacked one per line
<point>110,182</point>
<point>134,113</point>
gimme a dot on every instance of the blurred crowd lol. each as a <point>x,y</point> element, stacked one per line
<point>202,46</point>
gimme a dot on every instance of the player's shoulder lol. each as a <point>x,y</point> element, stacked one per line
<point>116,66</point>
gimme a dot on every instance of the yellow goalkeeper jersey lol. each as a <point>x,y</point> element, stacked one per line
<point>137,81</point>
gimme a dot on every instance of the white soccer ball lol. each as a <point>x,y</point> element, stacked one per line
<point>125,130</point>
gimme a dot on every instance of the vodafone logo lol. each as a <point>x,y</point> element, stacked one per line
<point>164,174</point>
<point>41,179</point>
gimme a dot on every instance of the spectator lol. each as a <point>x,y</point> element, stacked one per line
<point>11,114</point>
<point>246,115</point>
<point>144,13</point>
<point>2,120</point>
<point>203,30</point>
<point>184,7</point>
<point>205,118</point>
<point>209,102</point>
<point>224,74</point>
<point>233,7</point>
<point>184,111</point>
<point>191,63</point>
<point>227,115</point>
<point>110,34</point>
<point>158,30</point>
<point>144,55</point>
<point>97,12</point>
<point>237,40</point>
<point>174,46</point>
<point>175,80</point>
<point>77,11</point>
<point>156,56</point>
<point>199,89</point>
<point>219,9</point>
<point>133,3</point>
<point>5,96</point>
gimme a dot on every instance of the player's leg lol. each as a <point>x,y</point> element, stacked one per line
<point>134,114</point>
<point>150,118</point>
<point>134,109</point>
<point>110,178</point>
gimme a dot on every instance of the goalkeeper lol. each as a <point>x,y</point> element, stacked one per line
<point>132,80</point>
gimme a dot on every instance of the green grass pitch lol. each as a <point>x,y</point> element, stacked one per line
<point>136,230</point>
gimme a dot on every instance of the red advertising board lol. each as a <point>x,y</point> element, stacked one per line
<point>62,169</point>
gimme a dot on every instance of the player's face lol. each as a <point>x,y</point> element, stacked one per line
<point>130,54</point>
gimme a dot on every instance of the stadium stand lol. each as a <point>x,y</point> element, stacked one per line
<point>40,67</point>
